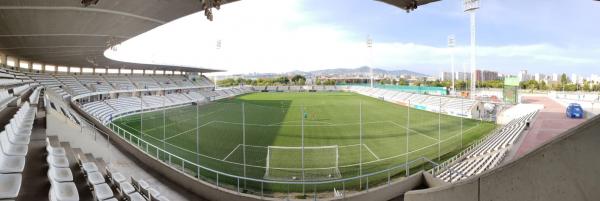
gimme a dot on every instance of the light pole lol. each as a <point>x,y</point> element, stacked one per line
<point>451,44</point>
<point>470,7</point>
<point>370,49</point>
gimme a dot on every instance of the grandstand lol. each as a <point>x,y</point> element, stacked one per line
<point>447,105</point>
<point>485,155</point>
<point>72,126</point>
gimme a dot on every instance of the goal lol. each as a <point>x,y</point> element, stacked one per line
<point>285,163</point>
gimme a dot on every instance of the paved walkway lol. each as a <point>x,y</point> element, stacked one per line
<point>549,123</point>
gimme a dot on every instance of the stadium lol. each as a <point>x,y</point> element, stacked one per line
<point>77,125</point>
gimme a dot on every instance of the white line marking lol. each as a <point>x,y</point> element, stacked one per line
<point>414,131</point>
<point>377,157</point>
<point>236,147</point>
<point>190,130</point>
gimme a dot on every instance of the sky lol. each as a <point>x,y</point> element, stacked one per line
<point>273,36</point>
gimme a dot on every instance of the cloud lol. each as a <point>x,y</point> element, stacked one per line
<point>257,38</point>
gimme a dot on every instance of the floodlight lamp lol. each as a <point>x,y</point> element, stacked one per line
<point>471,5</point>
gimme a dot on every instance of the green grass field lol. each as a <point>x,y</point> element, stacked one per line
<point>332,124</point>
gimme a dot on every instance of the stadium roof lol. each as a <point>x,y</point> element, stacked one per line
<point>64,32</point>
<point>407,5</point>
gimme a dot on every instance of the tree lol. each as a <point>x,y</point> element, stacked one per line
<point>297,79</point>
<point>402,82</point>
<point>563,79</point>
<point>543,85</point>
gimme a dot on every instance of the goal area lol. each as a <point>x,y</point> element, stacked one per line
<point>286,163</point>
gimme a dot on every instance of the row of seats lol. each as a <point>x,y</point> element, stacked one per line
<point>60,176</point>
<point>297,88</point>
<point>133,189</point>
<point>448,105</point>
<point>111,186</point>
<point>489,153</point>
<point>14,145</point>
<point>104,110</point>
<point>226,93</point>
<point>34,98</point>
<point>5,98</point>
<point>86,83</point>
<point>73,85</point>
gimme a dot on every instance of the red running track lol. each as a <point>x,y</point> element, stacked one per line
<point>548,124</point>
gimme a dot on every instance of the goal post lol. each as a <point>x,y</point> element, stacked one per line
<point>285,163</point>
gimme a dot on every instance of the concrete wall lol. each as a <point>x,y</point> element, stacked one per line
<point>566,168</point>
<point>388,192</point>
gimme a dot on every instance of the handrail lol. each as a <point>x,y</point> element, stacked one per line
<point>138,139</point>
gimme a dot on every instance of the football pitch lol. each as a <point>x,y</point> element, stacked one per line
<point>344,135</point>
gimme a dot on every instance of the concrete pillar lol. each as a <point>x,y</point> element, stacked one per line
<point>3,59</point>
<point>30,66</point>
<point>43,68</point>
<point>17,66</point>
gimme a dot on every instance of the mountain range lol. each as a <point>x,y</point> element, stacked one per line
<point>361,70</point>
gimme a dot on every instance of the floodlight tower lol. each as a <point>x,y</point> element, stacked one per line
<point>218,59</point>
<point>370,49</point>
<point>470,7</point>
<point>451,44</point>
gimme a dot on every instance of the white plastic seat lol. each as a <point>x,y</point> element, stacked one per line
<point>135,196</point>
<point>143,184</point>
<point>95,178</point>
<point>16,139</point>
<point>102,191</point>
<point>58,161</point>
<point>18,128</point>
<point>66,191</point>
<point>152,192</point>
<point>11,164</point>
<point>89,167</point>
<point>55,151</point>
<point>117,177</point>
<point>10,185</point>
<point>125,188</point>
<point>12,149</point>
<point>162,198</point>
<point>60,174</point>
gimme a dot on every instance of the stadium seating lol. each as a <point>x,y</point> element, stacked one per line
<point>72,85</point>
<point>119,82</point>
<point>448,105</point>
<point>95,82</point>
<point>486,155</point>
<point>14,141</point>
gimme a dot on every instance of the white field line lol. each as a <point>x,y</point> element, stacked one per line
<point>373,153</point>
<point>178,134</point>
<point>306,121</point>
<point>236,147</point>
<point>437,140</point>
<point>186,120</point>
<point>141,133</point>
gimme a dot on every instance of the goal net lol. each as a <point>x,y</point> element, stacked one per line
<point>285,163</point>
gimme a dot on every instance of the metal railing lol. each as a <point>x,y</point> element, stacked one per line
<point>197,171</point>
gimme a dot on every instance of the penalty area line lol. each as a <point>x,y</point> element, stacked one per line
<point>236,147</point>
<point>372,153</point>
<point>437,140</point>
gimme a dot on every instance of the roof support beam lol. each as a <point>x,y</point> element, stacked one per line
<point>80,9</point>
